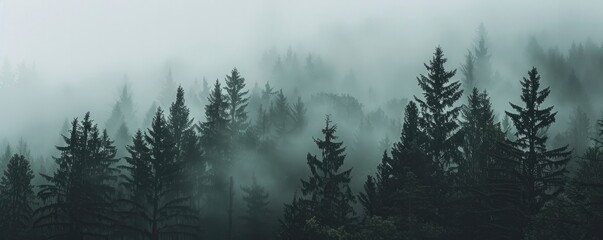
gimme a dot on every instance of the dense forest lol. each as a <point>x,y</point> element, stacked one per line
<point>300,149</point>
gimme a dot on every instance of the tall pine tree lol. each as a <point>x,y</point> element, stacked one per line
<point>16,198</point>
<point>257,218</point>
<point>79,193</point>
<point>529,174</point>
<point>327,189</point>
<point>439,113</point>
<point>237,100</point>
<point>155,210</point>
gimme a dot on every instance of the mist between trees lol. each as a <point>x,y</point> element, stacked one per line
<point>310,153</point>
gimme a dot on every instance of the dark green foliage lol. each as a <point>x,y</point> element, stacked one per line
<point>237,100</point>
<point>16,196</point>
<point>293,223</point>
<point>257,216</point>
<point>327,190</point>
<point>79,193</point>
<point>154,209</point>
<point>526,175</point>
<point>481,136</point>
<point>439,113</point>
<point>214,131</point>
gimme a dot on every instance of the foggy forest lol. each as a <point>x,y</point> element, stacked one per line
<point>301,120</point>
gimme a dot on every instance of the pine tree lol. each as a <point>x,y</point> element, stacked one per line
<point>263,124</point>
<point>126,103</point>
<point>279,113</point>
<point>439,113</point>
<point>468,70</point>
<point>115,119</point>
<point>214,131</point>
<point>293,224</point>
<point>481,136</point>
<point>78,195</point>
<point>267,94</point>
<point>16,195</point>
<point>121,140</point>
<point>483,69</point>
<point>414,181</point>
<point>155,210</point>
<point>298,115</point>
<point>148,117</point>
<point>237,102</point>
<point>327,189</point>
<point>179,122</point>
<point>6,155</point>
<point>530,175</point>
<point>579,132</point>
<point>215,142</point>
<point>378,190</point>
<point>257,214</point>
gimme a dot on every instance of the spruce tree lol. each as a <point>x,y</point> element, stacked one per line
<point>79,193</point>
<point>122,136</point>
<point>214,132</point>
<point>483,69</point>
<point>257,215</point>
<point>528,174</point>
<point>293,223</point>
<point>16,196</point>
<point>179,122</point>
<point>439,113</point>
<point>298,115</point>
<point>215,142</point>
<point>327,191</point>
<point>155,210</point>
<point>267,94</point>
<point>237,100</point>
<point>279,113</point>
<point>481,136</point>
<point>468,70</point>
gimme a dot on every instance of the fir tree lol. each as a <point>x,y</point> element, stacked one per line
<point>439,113</point>
<point>279,113</point>
<point>78,194</point>
<point>179,122</point>
<point>154,209</point>
<point>483,71</point>
<point>216,146</point>
<point>293,224</point>
<point>115,119</point>
<point>267,94</point>
<point>530,174</point>
<point>468,70</point>
<point>237,100</point>
<point>214,131</point>
<point>121,140</point>
<point>257,214</point>
<point>298,115</point>
<point>327,189</point>
<point>16,195</point>
<point>481,135</point>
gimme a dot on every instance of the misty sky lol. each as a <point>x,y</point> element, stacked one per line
<point>214,35</point>
<point>92,44</point>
